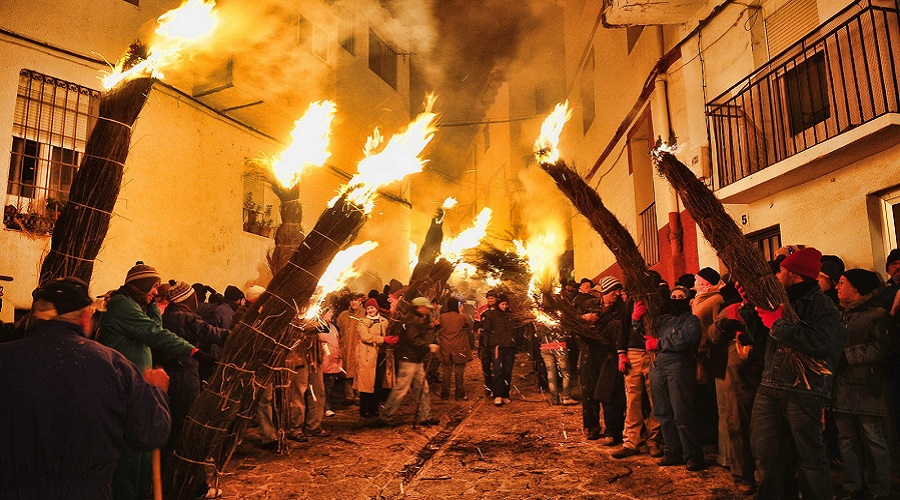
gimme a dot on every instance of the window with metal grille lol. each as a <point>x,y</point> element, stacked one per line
<point>382,60</point>
<point>649,235</point>
<point>768,240</point>
<point>51,124</point>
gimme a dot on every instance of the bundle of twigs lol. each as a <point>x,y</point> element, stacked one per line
<point>515,276</point>
<point>84,220</point>
<point>744,260</point>
<point>256,348</point>
<point>562,310</point>
<point>637,280</point>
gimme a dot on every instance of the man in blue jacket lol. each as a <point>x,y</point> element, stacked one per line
<point>69,406</point>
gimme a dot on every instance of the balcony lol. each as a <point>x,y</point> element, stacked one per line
<point>793,119</point>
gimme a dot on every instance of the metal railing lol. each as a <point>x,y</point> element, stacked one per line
<point>840,76</point>
<point>649,235</point>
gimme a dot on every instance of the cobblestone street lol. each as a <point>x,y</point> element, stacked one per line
<point>526,449</point>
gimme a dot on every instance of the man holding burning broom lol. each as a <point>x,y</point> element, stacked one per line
<point>799,364</point>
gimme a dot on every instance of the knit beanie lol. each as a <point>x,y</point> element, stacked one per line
<point>179,292</point>
<point>66,294</point>
<point>806,262</point>
<point>142,277</point>
<point>710,275</point>
<point>864,281</point>
<point>254,293</point>
<point>372,303</point>
<point>832,267</point>
<point>233,293</point>
<point>608,284</point>
<point>892,257</point>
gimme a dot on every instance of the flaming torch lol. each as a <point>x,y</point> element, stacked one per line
<point>261,339</point>
<point>84,221</point>
<point>638,281</point>
<point>309,146</point>
<point>337,274</point>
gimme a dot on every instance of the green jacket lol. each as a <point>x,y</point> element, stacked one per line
<point>127,329</point>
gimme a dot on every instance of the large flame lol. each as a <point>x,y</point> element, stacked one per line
<point>413,256</point>
<point>449,203</point>
<point>337,274</point>
<point>452,249</point>
<point>309,147</point>
<point>179,29</point>
<point>542,253</point>
<point>399,158</point>
<point>545,319</point>
<point>546,147</point>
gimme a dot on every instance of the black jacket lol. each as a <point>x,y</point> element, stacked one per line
<point>68,408</point>
<point>414,338</point>
<point>498,328</point>
<point>860,385</point>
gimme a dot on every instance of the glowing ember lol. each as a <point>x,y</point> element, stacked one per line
<point>449,203</point>
<point>339,273</point>
<point>399,158</point>
<point>452,249</point>
<point>413,256</point>
<point>546,147</point>
<point>309,148</point>
<point>179,29</point>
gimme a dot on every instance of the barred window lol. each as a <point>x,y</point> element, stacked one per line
<point>51,125</point>
<point>383,60</point>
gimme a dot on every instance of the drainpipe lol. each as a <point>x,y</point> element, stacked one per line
<point>662,128</point>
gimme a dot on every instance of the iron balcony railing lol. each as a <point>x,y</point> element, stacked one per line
<point>838,77</point>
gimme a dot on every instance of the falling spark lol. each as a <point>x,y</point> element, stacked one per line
<point>479,452</point>
<point>449,203</point>
<point>337,274</point>
<point>453,248</point>
<point>565,436</point>
<point>399,158</point>
<point>179,29</point>
<point>309,146</point>
<point>546,147</point>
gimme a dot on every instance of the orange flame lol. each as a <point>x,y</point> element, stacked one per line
<point>309,148</point>
<point>179,29</point>
<point>545,319</point>
<point>399,158</point>
<point>413,256</point>
<point>337,274</point>
<point>546,146</point>
<point>452,249</point>
<point>449,203</point>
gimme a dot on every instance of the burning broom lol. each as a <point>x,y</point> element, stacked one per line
<point>637,280</point>
<point>743,259</point>
<point>84,221</point>
<point>260,341</point>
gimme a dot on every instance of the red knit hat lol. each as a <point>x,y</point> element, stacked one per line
<point>371,302</point>
<point>806,262</point>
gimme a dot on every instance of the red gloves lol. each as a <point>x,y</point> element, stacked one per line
<point>769,317</point>
<point>731,312</point>
<point>639,310</point>
<point>391,340</point>
<point>743,291</point>
<point>650,343</point>
<point>623,362</point>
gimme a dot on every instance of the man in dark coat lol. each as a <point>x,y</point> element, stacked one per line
<point>69,406</point>
<point>416,345</point>
<point>500,337</point>
<point>787,411</point>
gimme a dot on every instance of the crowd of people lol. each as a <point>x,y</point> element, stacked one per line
<point>779,401</point>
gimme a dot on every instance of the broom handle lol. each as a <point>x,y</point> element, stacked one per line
<point>156,462</point>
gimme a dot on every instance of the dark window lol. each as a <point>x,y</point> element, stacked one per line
<point>52,121</point>
<point>768,240</point>
<point>807,93</point>
<point>347,35</point>
<point>382,60</point>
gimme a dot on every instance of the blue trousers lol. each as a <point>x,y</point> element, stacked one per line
<point>673,385</point>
